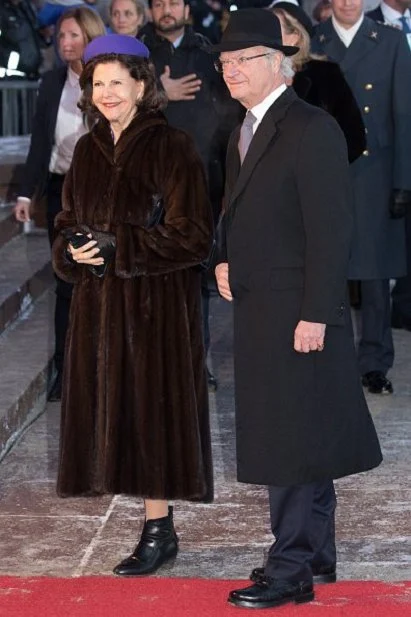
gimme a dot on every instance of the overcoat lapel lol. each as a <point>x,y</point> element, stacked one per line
<point>330,42</point>
<point>265,134</point>
<point>118,154</point>
<point>362,44</point>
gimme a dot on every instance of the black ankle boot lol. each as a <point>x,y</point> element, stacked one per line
<point>158,544</point>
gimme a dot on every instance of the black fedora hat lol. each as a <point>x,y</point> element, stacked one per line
<point>252,27</point>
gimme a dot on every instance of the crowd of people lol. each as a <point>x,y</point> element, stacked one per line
<point>193,139</point>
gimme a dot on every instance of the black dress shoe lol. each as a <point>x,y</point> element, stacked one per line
<point>212,381</point>
<point>158,545</point>
<point>321,574</point>
<point>269,592</point>
<point>377,383</point>
<point>56,388</point>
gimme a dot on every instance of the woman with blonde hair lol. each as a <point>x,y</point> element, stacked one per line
<point>57,125</point>
<point>319,81</point>
<point>127,16</point>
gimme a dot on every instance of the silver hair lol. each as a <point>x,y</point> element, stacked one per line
<point>286,64</point>
<point>286,67</point>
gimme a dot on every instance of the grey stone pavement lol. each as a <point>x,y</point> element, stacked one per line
<point>41,534</point>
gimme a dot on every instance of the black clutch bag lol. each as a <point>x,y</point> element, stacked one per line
<point>106,242</point>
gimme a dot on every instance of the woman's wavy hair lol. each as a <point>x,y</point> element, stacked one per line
<point>139,69</point>
<point>89,22</point>
<point>293,26</point>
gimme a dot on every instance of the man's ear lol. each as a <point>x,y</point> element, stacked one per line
<point>186,12</point>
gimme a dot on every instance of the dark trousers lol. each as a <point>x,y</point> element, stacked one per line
<point>63,289</point>
<point>303,524</point>
<point>401,294</point>
<point>376,347</point>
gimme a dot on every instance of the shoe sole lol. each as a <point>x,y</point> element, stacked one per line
<point>320,579</point>
<point>306,597</point>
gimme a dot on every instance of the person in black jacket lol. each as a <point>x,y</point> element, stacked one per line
<point>57,125</point>
<point>19,34</point>
<point>321,82</point>
<point>199,102</point>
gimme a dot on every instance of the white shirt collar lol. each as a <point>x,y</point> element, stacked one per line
<point>391,15</point>
<point>72,77</point>
<point>347,35</point>
<point>261,109</point>
<point>177,42</point>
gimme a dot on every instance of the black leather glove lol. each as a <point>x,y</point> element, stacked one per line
<point>106,242</point>
<point>400,201</point>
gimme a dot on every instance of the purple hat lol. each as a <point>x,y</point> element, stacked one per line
<point>115,44</point>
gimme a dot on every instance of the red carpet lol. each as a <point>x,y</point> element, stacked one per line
<point>162,597</point>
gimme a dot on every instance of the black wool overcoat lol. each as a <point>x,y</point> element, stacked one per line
<point>300,417</point>
<point>135,402</point>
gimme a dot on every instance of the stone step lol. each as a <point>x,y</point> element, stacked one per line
<point>26,351</point>
<point>25,273</point>
<point>9,227</point>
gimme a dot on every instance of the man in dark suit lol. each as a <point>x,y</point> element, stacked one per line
<point>198,103</point>
<point>376,63</point>
<point>301,416</point>
<point>397,13</point>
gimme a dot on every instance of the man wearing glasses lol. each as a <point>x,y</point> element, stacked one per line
<point>301,416</point>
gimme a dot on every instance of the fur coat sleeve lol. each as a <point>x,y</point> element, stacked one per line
<point>182,238</point>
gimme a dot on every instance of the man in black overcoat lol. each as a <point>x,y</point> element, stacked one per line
<point>376,62</point>
<point>301,416</point>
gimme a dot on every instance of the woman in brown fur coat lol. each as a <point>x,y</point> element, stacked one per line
<point>136,222</point>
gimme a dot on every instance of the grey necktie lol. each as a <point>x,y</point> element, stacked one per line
<point>246,134</point>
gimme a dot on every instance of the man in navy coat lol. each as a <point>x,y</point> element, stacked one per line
<point>397,13</point>
<point>376,63</point>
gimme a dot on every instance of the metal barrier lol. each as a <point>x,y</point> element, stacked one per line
<point>18,103</point>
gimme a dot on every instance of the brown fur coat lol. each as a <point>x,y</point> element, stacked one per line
<point>135,403</point>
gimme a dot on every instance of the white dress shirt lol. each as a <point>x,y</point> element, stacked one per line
<point>261,109</point>
<point>347,35</point>
<point>391,16</point>
<point>177,42</point>
<point>70,125</point>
